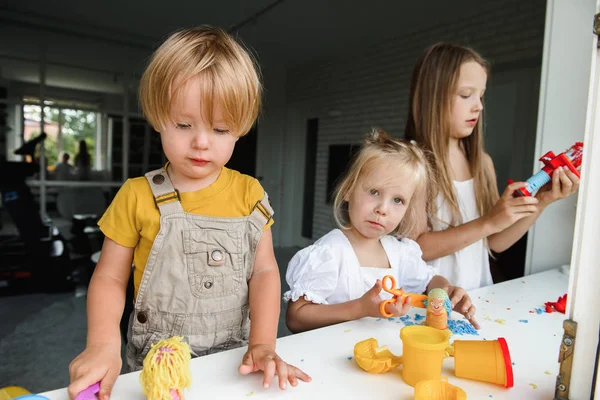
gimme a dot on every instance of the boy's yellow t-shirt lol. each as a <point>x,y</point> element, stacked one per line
<point>132,219</point>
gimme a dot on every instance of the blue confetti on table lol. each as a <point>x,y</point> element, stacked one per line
<point>349,358</point>
<point>390,319</point>
<point>461,327</point>
<point>524,321</point>
<point>539,310</point>
<point>378,319</point>
<point>419,317</point>
<point>405,318</point>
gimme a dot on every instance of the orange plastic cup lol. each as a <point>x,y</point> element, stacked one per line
<point>423,352</point>
<point>484,360</point>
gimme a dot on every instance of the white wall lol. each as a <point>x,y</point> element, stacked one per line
<point>369,87</point>
<point>565,80</point>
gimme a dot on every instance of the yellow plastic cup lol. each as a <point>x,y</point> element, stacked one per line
<point>438,389</point>
<point>483,360</point>
<point>423,351</point>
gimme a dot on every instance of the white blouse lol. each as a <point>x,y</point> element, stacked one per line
<point>328,272</point>
<point>469,267</point>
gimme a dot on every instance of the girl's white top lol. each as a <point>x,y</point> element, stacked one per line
<point>469,267</point>
<point>328,272</point>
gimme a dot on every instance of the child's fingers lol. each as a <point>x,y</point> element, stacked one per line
<point>247,365</point>
<point>565,183</point>
<point>282,373</point>
<point>522,201</point>
<point>79,384</point>
<point>574,178</point>
<point>528,209</point>
<point>556,183</point>
<point>269,373</point>
<point>298,373</point>
<point>511,188</point>
<point>457,295</point>
<point>376,289</point>
<point>107,384</point>
<point>470,315</point>
<point>405,307</point>
<point>292,377</point>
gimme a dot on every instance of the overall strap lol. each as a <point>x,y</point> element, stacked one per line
<point>166,197</point>
<point>262,212</point>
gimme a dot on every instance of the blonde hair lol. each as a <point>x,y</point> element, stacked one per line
<point>228,77</point>
<point>377,146</point>
<point>433,84</point>
<point>166,368</point>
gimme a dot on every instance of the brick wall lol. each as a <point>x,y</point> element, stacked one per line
<point>356,90</point>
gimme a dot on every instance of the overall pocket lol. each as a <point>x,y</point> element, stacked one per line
<point>214,262</point>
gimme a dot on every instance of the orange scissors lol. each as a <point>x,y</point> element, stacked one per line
<point>416,300</point>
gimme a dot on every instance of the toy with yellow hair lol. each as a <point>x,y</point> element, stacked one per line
<point>166,370</point>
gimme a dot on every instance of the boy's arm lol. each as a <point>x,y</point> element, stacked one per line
<point>106,293</point>
<point>101,359</point>
<point>264,294</point>
<point>264,297</point>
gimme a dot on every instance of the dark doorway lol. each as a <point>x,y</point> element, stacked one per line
<point>243,158</point>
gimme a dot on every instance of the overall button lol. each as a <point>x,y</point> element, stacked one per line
<point>158,179</point>
<point>208,284</point>
<point>217,255</point>
<point>142,317</point>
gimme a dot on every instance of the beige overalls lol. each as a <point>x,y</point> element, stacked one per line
<point>195,283</point>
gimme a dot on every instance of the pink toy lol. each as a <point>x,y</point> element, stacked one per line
<point>89,393</point>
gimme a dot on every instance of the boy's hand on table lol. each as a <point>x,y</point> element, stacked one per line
<point>262,357</point>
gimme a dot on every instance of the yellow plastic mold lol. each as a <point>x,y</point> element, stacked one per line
<point>438,389</point>
<point>374,359</point>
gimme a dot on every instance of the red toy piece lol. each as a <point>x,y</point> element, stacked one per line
<point>560,305</point>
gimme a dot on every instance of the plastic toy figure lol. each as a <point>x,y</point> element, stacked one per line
<point>438,309</point>
<point>166,370</point>
<point>570,159</point>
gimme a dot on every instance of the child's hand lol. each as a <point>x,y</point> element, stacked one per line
<point>509,210</point>
<point>564,183</point>
<point>370,303</point>
<point>97,363</point>
<point>262,357</point>
<point>461,303</point>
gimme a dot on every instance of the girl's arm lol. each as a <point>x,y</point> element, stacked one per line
<point>302,315</point>
<point>506,211</point>
<point>437,244</point>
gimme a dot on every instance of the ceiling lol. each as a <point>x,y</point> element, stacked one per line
<point>289,32</point>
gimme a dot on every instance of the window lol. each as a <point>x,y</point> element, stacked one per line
<point>64,127</point>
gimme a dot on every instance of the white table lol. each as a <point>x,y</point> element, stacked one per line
<point>324,354</point>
